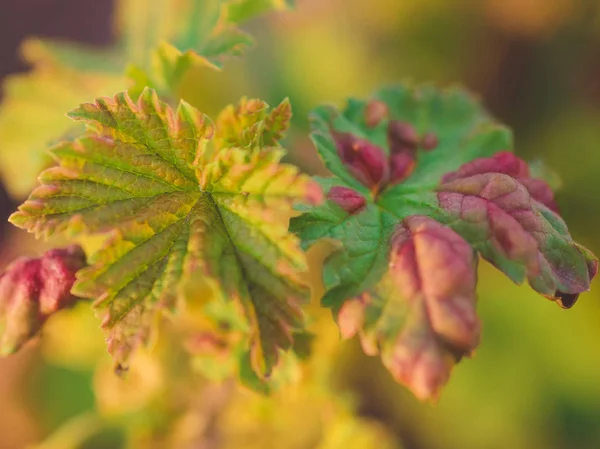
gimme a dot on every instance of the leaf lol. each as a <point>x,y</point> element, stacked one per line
<point>251,123</point>
<point>31,290</point>
<point>32,112</point>
<point>229,43</point>
<point>506,163</point>
<point>169,66</point>
<point>211,26</point>
<point>206,35</point>
<point>512,222</point>
<point>178,210</point>
<point>417,185</point>
<point>208,31</point>
<point>421,315</point>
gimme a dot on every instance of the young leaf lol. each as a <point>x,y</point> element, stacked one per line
<point>208,37</point>
<point>179,209</point>
<point>212,26</point>
<point>32,289</point>
<point>421,314</point>
<point>251,123</point>
<point>420,183</point>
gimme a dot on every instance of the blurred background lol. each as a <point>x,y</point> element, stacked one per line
<point>535,380</point>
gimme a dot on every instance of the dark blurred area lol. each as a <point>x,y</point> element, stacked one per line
<point>535,381</point>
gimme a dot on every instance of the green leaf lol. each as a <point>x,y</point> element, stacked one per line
<point>365,233</point>
<point>209,24</point>
<point>169,66</point>
<point>229,43</point>
<point>206,34</point>
<point>392,160</point>
<point>180,210</point>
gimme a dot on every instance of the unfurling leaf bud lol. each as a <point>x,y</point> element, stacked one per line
<point>402,136</point>
<point>366,161</point>
<point>32,289</point>
<point>348,199</point>
<point>375,112</point>
<point>402,165</point>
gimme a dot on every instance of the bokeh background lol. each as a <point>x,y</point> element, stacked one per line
<point>535,380</point>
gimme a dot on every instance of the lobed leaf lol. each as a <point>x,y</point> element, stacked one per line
<point>179,212</point>
<point>204,32</point>
<point>420,182</point>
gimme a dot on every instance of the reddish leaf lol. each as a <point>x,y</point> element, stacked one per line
<point>513,229</point>
<point>401,166</point>
<point>429,321</point>
<point>402,136</point>
<point>366,161</point>
<point>508,164</point>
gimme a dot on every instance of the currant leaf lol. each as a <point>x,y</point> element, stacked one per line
<point>212,26</point>
<point>209,36</point>
<point>421,182</point>
<point>179,209</point>
<point>421,314</point>
<point>204,34</point>
<point>511,220</point>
